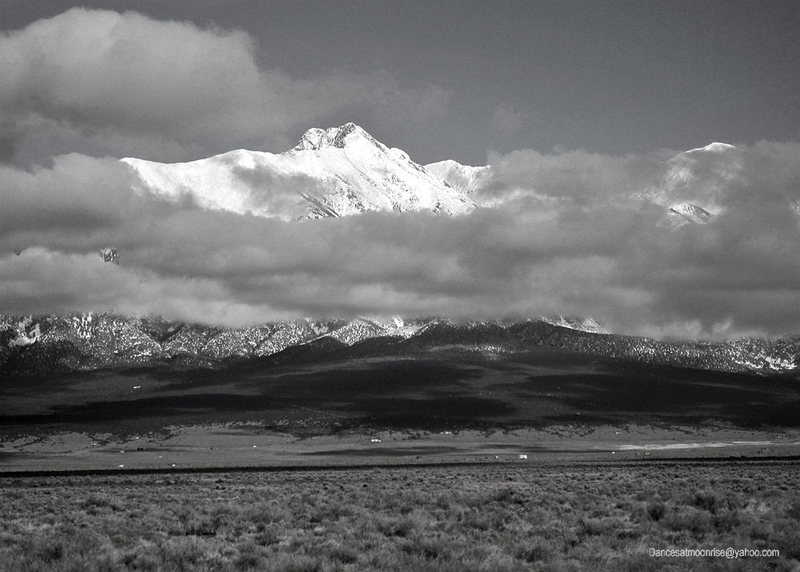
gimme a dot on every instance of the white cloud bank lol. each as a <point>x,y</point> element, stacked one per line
<point>572,240</point>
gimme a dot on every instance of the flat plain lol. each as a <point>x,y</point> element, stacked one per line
<point>507,516</point>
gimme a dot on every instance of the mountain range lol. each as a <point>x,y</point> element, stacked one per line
<point>82,342</point>
<point>344,171</point>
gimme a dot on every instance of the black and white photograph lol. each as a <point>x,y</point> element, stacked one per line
<point>388,285</point>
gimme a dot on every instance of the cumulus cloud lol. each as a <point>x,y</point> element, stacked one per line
<point>573,238</point>
<point>575,175</point>
<point>77,194</point>
<point>105,83</point>
<point>741,270</point>
<point>736,274</point>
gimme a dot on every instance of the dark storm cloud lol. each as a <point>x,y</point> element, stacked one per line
<point>571,239</point>
<point>105,83</point>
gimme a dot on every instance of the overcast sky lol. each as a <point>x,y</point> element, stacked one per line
<point>578,106</point>
<point>459,77</point>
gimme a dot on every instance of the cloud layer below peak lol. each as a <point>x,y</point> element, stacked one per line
<point>572,236</point>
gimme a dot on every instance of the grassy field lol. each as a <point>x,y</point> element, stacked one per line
<point>571,516</point>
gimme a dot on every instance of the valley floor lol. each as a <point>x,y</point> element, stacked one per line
<point>565,515</point>
<point>251,445</point>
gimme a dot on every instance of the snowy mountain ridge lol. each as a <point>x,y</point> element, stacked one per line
<point>344,171</point>
<point>48,344</point>
<point>330,173</point>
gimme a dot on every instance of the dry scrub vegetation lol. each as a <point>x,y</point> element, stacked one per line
<point>493,518</point>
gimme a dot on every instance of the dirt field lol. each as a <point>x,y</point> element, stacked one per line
<point>251,445</point>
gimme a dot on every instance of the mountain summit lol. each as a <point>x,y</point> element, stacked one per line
<point>331,172</point>
<point>694,183</point>
<point>339,137</point>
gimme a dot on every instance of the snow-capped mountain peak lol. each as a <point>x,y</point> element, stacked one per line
<point>343,171</point>
<point>331,172</point>
<point>339,137</point>
<point>715,147</point>
<point>694,182</point>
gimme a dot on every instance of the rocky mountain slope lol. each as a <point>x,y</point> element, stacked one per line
<point>344,171</point>
<point>79,342</point>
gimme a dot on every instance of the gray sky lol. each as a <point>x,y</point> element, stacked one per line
<point>612,77</point>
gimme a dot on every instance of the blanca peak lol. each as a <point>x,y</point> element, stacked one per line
<point>330,173</point>
<point>339,137</point>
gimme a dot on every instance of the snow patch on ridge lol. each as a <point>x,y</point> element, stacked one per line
<point>576,323</point>
<point>681,214</point>
<point>26,332</point>
<point>763,361</point>
<point>465,178</point>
